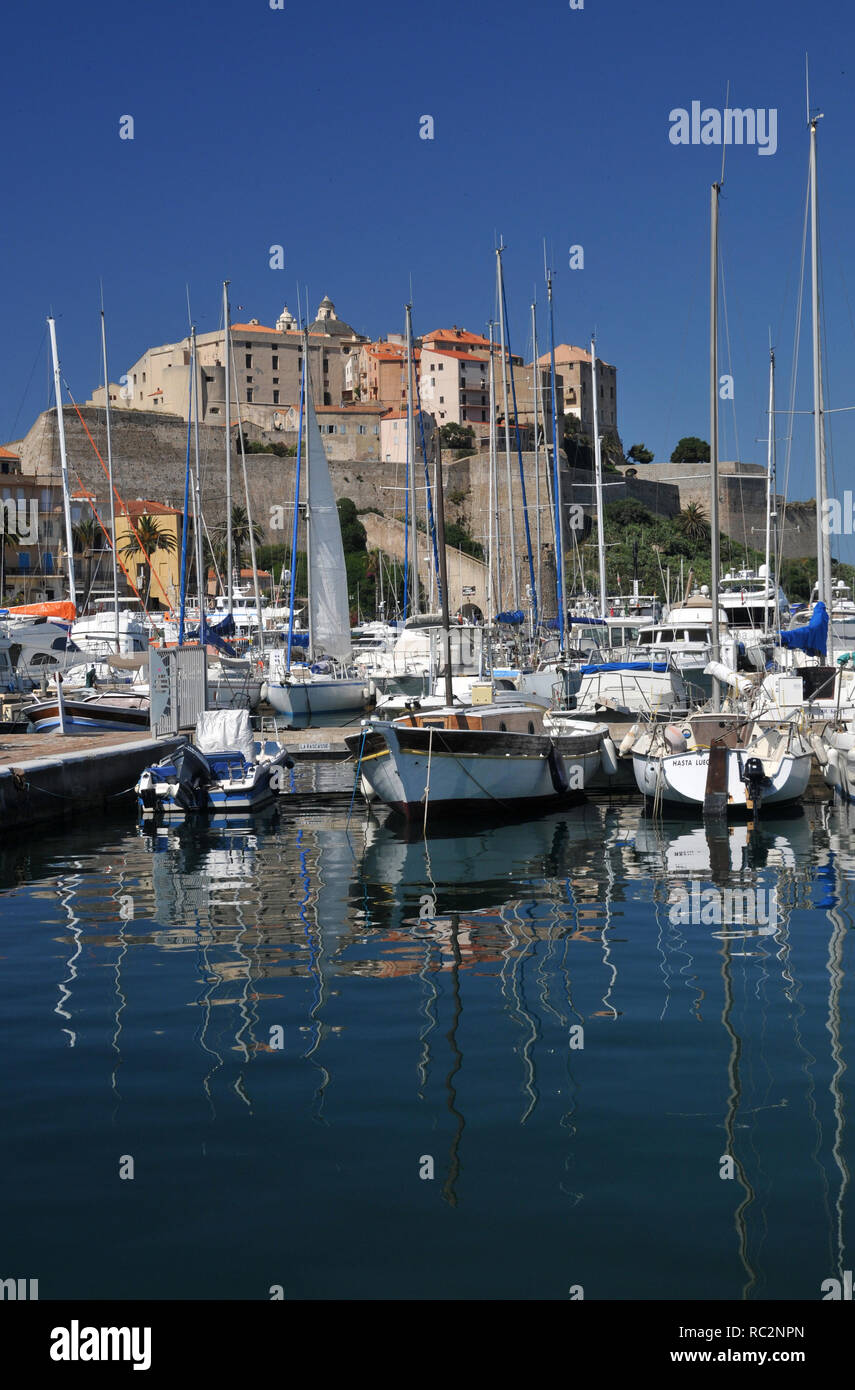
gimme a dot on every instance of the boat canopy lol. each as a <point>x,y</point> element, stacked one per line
<point>514,616</point>
<point>573,620</point>
<point>813,638</point>
<point>601,667</point>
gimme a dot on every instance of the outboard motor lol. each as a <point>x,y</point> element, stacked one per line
<point>194,778</point>
<point>755,781</point>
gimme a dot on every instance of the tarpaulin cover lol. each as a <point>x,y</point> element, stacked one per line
<point>812,639</point>
<point>605,666</point>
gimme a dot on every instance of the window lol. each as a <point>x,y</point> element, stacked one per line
<point>143,376</point>
<point>249,395</point>
<point>275,397</point>
<point>248,360</point>
<point>342,429</point>
<point>375,429</point>
<point>442,400</point>
<point>276,381</point>
<point>483,417</point>
<point>362,429</point>
<point>440,366</point>
<point>215,410</point>
<point>274,362</point>
<point>205,377</point>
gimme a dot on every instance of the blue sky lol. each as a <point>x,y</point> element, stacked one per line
<point>301,127</point>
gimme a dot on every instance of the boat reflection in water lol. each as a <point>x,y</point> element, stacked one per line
<point>611,1090</point>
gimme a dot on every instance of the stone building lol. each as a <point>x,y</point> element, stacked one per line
<point>573,365</point>
<point>266,377</point>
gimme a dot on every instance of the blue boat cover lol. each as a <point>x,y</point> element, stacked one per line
<point>812,639</point>
<point>515,616</point>
<point>214,634</point>
<point>595,669</point>
<point>571,618</point>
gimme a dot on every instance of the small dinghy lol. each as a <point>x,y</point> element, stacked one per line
<point>223,771</point>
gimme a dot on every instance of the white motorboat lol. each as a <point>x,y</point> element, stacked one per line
<point>223,771</point>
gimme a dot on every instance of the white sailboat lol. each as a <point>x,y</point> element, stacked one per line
<point>319,688</point>
<point>739,765</point>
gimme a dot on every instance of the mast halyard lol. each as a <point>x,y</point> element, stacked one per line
<point>558,510</point>
<point>110,477</point>
<point>823,537</point>
<point>770,500</point>
<point>415,607</point>
<point>714,521</point>
<point>63,460</point>
<point>598,482</point>
<point>515,589</point>
<point>227,354</point>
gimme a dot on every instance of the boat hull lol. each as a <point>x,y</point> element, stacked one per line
<point>681,778</point>
<point>302,699</point>
<point>83,717</point>
<point>458,772</point>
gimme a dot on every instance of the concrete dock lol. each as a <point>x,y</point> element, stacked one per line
<point>46,777</point>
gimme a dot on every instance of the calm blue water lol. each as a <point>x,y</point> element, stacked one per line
<point>428,993</point>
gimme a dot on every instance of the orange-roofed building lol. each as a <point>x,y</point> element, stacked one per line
<point>573,367</point>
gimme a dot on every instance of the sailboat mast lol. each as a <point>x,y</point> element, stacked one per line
<point>500,287</point>
<point>227,331</point>
<point>770,466</point>
<point>598,483</point>
<point>495,600</point>
<point>823,539</point>
<point>534,394</point>
<point>415,608</point>
<point>560,573</point>
<point>110,477</point>
<point>197,489</point>
<point>63,461</point>
<point>714,521</point>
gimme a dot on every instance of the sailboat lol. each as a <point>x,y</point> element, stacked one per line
<point>716,764</point>
<point>489,756</point>
<point>302,689</point>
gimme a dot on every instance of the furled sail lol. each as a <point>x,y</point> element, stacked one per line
<point>329,611</point>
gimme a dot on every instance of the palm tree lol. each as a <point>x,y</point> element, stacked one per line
<point>692,522</point>
<point>87,537</point>
<point>240,533</point>
<point>151,539</point>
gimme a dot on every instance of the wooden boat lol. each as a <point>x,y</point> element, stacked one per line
<point>490,757</point>
<point>89,711</point>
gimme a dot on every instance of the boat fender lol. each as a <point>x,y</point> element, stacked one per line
<point>628,740</point>
<point>556,771</point>
<point>821,753</point>
<point>608,757</point>
<point>264,690</point>
<point>675,739</point>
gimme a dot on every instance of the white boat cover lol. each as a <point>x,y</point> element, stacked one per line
<point>329,610</point>
<point>220,729</point>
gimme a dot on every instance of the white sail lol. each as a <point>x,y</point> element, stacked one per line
<point>329,611</point>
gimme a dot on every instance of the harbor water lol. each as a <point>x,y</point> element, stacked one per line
<point>591,1054</point>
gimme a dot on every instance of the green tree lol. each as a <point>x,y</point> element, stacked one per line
<point>240,533</point>
<point>87,538</point>
<point>353,534</point>
<point>692,522</point>
<point>639,453</point>
<point>690,449</point>
<point>454,436</point>
<point>151,539</point>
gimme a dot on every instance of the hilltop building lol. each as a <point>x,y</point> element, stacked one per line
<point>266,378</point>
<point>573,364</point>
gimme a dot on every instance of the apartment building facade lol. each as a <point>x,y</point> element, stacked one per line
<point>573,365</point>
